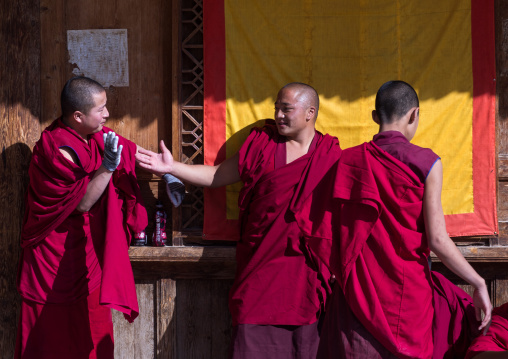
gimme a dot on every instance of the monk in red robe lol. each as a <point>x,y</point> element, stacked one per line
<point>389,216</point>
<point>279,290</point>
<point>494,344</point>
<point>82,205</point>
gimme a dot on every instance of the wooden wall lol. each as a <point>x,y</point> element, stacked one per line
<point>182,291</point>
<point>19,129</point>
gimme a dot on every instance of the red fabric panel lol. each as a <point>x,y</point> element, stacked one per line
<point>484,218</point>
<point>216,226</point>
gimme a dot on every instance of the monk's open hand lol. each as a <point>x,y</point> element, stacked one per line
<point>112,153</point>
<point>157,163</point>
<point>481,301</point>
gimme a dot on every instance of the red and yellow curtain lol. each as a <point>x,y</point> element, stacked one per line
<point>346,49</point>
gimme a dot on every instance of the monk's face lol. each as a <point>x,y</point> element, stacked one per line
<point>93,121</point>
<point>292,112</point>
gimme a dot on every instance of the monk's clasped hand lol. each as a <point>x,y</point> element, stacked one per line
<point>112,153</point>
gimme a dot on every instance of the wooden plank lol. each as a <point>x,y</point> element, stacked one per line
<point>485,254</point>
<point>184,262</point>
<point>502,205</point>
<point>54,68</point>
<point>502,161</point>
<point>166,319</point>
<point>19,130</point>
<point>137,340</point>
<point>220,316</point>
<point>196,319</point>
<point>503,234</point>
<point>182,254</point>
<point>215,254</point>
<point>193,328</point>
<point>500,291</point>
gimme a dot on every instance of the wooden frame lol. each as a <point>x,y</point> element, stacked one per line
<point>187,124</point>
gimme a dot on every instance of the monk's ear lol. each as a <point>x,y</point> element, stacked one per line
<point>415,114</point>
<point>375,117</point>
<point>77,116</point>
<point>311,113</point>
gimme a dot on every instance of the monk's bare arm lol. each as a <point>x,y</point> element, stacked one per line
<point>95,187</point>
<point>442,245</point>
<point>199,175</point>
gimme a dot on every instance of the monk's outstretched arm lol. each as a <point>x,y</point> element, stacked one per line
<point>442,245</point>
<point>199,175</point>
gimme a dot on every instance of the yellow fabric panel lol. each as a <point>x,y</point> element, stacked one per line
<point>346,49</point>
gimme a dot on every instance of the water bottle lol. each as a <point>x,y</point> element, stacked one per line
<point>159,233</point>
<point>139,239</point>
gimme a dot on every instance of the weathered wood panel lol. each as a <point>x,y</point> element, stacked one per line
<point>19,130</point>
<point>137,340</point>
<point>141,111</point>
<point>202,319</point>
<point>500,290</point>
<point>166,321</point>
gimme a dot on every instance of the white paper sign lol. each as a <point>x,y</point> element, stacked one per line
<point>100,54</point>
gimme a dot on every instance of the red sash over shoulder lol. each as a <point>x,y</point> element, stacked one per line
<point>276,282</point>
<point>66,253</point>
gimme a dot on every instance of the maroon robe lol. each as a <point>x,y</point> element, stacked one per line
<point>455,324</point>
<point>376,247</point>
<point>68,254</point>
<point>496,339</point>
<point>277,282</point>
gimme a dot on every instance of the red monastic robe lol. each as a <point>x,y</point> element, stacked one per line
<point>455,324</point>
<point>68,254</point>
<point>496,339</point>
<point>373,240</point>
<point>277,282</point>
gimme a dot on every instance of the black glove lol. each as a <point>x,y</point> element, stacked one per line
<point>112,154</point>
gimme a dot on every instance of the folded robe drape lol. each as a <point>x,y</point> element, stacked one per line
<point>376,247</point>
<point>67,254</point>
<point>496,338</point>
<point>276,282</point>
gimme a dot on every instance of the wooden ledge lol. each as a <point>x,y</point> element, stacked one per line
<point>193,254</point>
<point>481,254</point>
<point>196,262</point>
<point>218,262</point>
<point>182,254</point>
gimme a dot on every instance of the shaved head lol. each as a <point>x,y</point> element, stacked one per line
<point>306,94</point>
<point>77,95</point>
<point>394,99</point>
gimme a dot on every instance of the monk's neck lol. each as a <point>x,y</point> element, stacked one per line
<point>399,126</point>
<point>70,124</point>
<point>298,148</point>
